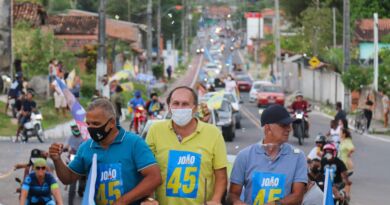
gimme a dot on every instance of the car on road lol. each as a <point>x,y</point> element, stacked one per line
<point>244,82</point>
<point>212,67</point>
<point>270,94</point>
<point>256,88</point>
<point>235,102</point>
<point>226,120</point>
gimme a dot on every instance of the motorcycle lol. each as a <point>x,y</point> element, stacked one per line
<point>33,128</point>
<point>139,119</point>
<point>299,126</point>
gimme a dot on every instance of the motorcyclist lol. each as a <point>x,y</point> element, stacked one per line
<point>316,152</point>
<point>72,145</point>
<point>28,106</point>
<point>301,104</point>
<point>339,172</point>
<point>15,89</point>
<point>154,106</point>
<point>314,172</point>
<point>133,103</point>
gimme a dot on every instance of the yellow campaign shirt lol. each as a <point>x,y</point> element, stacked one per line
<point>185,166</point>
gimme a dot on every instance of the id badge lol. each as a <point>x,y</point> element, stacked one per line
<point>109,183</point>
<point>183,174</point>
<point>267,187</point>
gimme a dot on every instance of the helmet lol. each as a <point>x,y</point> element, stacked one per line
<point>320,139</point>
<point>330,147</point>
<point>298,94</point>
<point>137,93</point>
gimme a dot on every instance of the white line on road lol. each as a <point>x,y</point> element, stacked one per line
<point>251,117</point>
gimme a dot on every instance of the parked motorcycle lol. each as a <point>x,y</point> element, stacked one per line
<point>139,119</point>
<point>33,128</point>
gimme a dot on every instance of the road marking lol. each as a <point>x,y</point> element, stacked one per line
<point>251,117</point>
<point>197,72</point>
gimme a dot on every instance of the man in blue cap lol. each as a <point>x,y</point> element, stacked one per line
<point>271,172</point>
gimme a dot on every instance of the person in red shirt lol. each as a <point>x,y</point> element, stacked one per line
<point>301,104</point>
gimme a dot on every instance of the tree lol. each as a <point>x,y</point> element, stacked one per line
<point>36,48</point>
<point>316,23</point>
<point>356,78</point>
<point>334,56</point>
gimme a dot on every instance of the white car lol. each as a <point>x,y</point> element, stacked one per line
<point>255,87</point>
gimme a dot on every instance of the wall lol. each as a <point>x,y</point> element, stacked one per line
<point>5,50</point>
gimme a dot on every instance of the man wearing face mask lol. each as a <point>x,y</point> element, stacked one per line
<point>338,171</point>
<point>191,154</point>
<point>126,168</point>
<point>272,172</point>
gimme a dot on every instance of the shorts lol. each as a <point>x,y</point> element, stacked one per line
<point>59,101</point>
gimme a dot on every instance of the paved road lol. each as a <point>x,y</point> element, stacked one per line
<point>370,180</point>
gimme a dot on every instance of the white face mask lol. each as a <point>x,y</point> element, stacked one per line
<point>181,116</point>
<point>328,156</point>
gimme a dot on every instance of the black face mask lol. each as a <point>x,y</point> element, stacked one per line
<point>315,170</point>
<point>99,133</point>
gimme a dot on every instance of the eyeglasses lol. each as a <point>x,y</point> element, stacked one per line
<point>40,168</point>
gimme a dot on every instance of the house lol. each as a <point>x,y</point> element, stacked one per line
<point>364,36</point>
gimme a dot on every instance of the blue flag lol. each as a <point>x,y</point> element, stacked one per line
<point>328,194</point>
<point>89,193</point>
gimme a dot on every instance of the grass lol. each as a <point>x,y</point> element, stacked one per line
<point>7,127</point>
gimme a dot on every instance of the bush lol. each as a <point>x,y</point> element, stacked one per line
<point>89,85</point>
<point>357,77</point>
<point>158,71</point>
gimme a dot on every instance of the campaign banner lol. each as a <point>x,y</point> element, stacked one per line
<point>267,187</point>
<point>89,193</point>
<point>328,193</point>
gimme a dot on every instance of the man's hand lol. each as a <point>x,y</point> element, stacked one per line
<point>55,151</point>
<point>147,202</point>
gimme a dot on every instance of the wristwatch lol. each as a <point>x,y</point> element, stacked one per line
<point>277,202</point>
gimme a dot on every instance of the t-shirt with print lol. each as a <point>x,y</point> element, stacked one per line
<point>337,167</point>
<point>39,193</point>
<point>264,179</point>
<point>185,166</point>
<point>118,166</point>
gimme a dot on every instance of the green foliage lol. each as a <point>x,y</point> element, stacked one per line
<point>357,77</point>
<point>158,71</point>
<point>385,38</point>
<point>90,52</point>
<point>384,78</point>
<point>334,56</point>
<point>316,26</point>
<point>366,8</point>
<point>36,48</point>
<point>269,52</point>
<point>56,6</point>
<point>87,5</point>
<point>89,85</point>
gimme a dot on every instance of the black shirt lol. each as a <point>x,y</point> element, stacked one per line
<point>28,106</point>
<point>341,115</point>
<point>337,166</point>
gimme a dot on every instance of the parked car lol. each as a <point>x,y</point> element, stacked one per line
<point>244,82</point>
<point>256,88</point>
<point>270,94</point>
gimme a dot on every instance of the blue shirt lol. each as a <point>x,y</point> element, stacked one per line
<point>118,166</point>
<point>39,193</point>
<point>265,180</point>
<point>137,101</point>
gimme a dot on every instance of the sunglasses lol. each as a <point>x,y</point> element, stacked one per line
<point>40,168</point>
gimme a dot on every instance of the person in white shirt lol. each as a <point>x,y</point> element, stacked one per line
<point>230,84</point>
<point>59,97</point>
<point>316,152</point>
<point>334,132</point>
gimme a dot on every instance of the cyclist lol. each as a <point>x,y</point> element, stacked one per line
<point>39,185</point>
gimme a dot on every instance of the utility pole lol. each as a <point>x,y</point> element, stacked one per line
<point>158,30</point>
<point>183,17</point>
<point>101,67</point>
<point>376,52</point>
<point>129,10</point>
<point>149,37</point>
<point>10,44</point>
<point>277,41</point>
<point>334,27</point>
<point>346,47</point>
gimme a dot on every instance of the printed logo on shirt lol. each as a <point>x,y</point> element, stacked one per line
<point>109,183</point>
<point>332,168</point>
<point>183,174</point>
<point>267,187</point>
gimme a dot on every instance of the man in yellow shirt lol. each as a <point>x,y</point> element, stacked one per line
<point>191,154</point>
